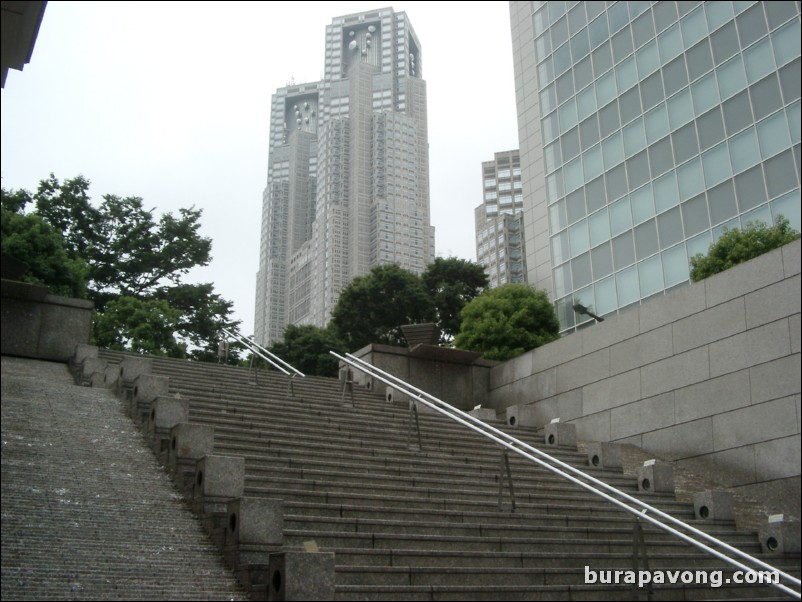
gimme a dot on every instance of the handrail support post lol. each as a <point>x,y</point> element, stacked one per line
<point>413,410</point>
<point>639,554</point>
<point>504,472</point>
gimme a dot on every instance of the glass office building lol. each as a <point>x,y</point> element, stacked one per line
<point>646,129</point>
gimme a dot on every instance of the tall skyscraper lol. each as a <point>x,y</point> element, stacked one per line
<point>499,220</point>
<point>348,173</point>
<point>645,129</point>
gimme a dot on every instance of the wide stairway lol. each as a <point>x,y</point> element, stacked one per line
<point>432,523</point>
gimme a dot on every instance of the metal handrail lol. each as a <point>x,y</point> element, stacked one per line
<point>562,469</point>
<point>278,363</point>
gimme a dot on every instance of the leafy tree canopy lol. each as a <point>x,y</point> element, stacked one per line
<point>372,308</point>
<point>452,283</point>
<point>30,239</point>
<point>736,246</point>
<point>139,325</point>
<point>307,349</point>
<point>125,257</point>
<point>505,322</point>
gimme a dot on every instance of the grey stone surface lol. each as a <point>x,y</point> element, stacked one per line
<point>669,308</point>
<point>770,420</point>
<point>649,347</point>
<point>779,378</point>
<point>614,329</point>
<point>596,427</point>
<point>781,537</point>
<point>484,414</point>
<point>604,455</point>
<point>791,258</point>
<point>733,467</point>
<point>131,367</point>
<point>779,458</point>
<point>83,351</point>
<point>642,416</point>
<point>675,372</point>
<point>714,396</point>
<point>714,505</point>
<point>756,346</point>
<point>612,392</point>
<point>562,434</point>
<point>780,300</point>
<point>584,370</point>
<point>255,521</point>
<point>541,385</point>
<point>301,576</point>
<point>521,415</point>
<point>745,278</point>
<point>554,354</point>
<point>795,325</point>
<point>656,477</point>
<point>219,477</point>
<point>90,366</point>
<point>713,324</point>
<point>192,441</point>
<point>87,512</point>
<point>38,325</point>
<point>166,412</point>
<point>110,376</point>
<point>148,387</point>
<point>65,323</point>
<point>681,440</point>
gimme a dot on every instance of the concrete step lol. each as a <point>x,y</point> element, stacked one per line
<point>425,524</point>
<point>498,528</point>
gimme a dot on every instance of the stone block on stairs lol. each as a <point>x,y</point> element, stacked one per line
<point>188,444</point>
<point>145,389</point>
<point>218,480</point>
<point>254,529</point>
<point>656,477</point>
<point>780,535</point>
<point>296,575</point>
<point>521,415</point>
<point>129,369</point>
<point>714,505</point>
<point>604,455</point>
<point>560,434</point>
<point>165,413</point>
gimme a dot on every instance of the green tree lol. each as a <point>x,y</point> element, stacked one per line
<point>372,308</point>
<point>505,322</point>
<point>451,284</point>
<point>203,313</point>
<point>127,252</point>
<point>31,240</point>
<point>736,246</point>
<point>307,349</point>
<point>139,325</point>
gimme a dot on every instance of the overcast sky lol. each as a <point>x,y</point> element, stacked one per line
<point>170,102</point>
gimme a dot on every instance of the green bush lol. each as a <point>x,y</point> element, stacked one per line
<point>736,246</point>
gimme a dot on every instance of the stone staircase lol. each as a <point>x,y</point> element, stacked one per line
<point>425,524</point>
<point>87,513</point>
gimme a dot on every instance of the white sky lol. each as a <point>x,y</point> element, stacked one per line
<point>170,102</point>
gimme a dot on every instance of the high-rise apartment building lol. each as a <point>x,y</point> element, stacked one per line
<point>645,129</point>
<point>499,220</point>
<point>348,173</point>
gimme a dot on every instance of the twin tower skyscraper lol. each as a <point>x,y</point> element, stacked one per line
<point>348,173</point>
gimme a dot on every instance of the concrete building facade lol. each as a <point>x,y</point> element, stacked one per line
<point>348,173</point>
<point>499,220</point>
<point>645,129</point>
